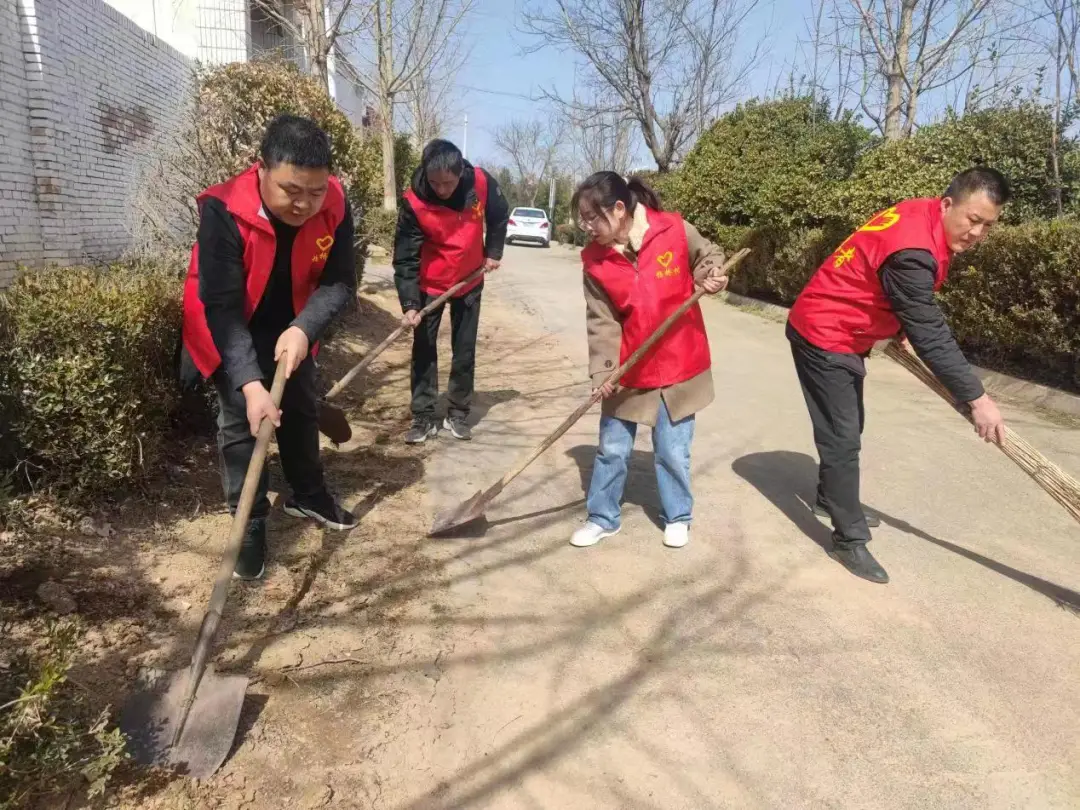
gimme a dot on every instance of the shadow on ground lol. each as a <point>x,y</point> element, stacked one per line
<point>789,481</point>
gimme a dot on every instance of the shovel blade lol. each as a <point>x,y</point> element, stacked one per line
<point>467,512</point>
<point>332,423</point>
<point>150,716</point>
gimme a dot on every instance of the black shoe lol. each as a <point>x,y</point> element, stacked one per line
<point>324,509</point>
<point>251,564</point>
<point>871,520</point>
<point>458,428</point>
<point>421,431</point>
<point>858,560</point>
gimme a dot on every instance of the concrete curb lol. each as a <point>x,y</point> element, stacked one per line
<point>1000,385</point>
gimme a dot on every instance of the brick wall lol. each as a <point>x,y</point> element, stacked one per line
<point>87,96</point>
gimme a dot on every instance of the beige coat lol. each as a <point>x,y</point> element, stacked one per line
<point>605,338</point>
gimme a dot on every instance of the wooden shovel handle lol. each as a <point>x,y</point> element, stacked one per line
<point>613,377</point>
<point>438,302</point>
<point>216,607</point>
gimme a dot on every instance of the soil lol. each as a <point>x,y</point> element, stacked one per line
<point>139,574</point>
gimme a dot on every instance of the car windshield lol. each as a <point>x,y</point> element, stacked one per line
<point>536,213</point>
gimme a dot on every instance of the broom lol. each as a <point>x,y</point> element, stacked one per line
<point>1061,486</point>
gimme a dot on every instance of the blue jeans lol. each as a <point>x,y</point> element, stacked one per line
<point>671,445</point>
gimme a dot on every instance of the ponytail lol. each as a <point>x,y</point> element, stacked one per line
<point>600,191</point>
<point>642,193</point>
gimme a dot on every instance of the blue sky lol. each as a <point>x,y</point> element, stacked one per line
<point>498,72</point>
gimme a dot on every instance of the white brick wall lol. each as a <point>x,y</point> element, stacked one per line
<point>86,96</point>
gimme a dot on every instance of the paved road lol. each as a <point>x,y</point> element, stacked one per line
<point>749,669</point>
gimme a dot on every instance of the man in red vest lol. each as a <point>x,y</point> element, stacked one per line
<point>274,264</point>
<point>879,284</point>
<point>440,241</point>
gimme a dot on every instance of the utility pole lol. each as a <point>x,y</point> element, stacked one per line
<point>551,197</point>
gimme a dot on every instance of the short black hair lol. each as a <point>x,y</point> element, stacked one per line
<point>443,156</point>
<point>298,141</point>
<point>979,178</point>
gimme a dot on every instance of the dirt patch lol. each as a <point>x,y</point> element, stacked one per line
<point>326,614</point>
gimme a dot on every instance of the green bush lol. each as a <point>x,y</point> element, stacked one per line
<point>1014,140</point>
<point>221,138</point>
<point>380,226</point>
<point>86,375</point>
<point>50,743</point>
<point>1014,301</point>
<point>777,163</point>
<point>570,235</point>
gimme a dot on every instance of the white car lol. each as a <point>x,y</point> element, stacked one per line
<point>528,225</point>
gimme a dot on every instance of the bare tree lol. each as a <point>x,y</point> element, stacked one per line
<point>428,98</point>
<point>668,65</point>
<point>403,41</point>
<point>316,26</point>
<point>910,48</point>
<point>532,147</point>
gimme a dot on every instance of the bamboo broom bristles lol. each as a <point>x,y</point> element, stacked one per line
<point>1061,486</point>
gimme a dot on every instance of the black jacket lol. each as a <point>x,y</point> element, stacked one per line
<point>409,237</point>
<point>907,277</point>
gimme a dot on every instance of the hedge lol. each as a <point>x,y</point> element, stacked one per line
<point>87,382</point>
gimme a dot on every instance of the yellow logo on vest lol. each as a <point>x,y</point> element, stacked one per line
<point>477,210</point>
<point>323,243</point>
<point>881,221</point>
<point>665,260</point>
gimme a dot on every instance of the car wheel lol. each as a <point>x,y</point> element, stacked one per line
<point>547,244</point>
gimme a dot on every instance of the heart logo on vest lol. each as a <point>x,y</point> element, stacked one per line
<point>324,242</point>
<point>665,258</point>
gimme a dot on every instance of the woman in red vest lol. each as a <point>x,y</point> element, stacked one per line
<point>274,264</point>
<point>438,242</point>
<point>878,284</point>
<point>639,266</point>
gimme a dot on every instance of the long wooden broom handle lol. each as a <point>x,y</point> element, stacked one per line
<point>438,302</point>
<point>216,606</point>
<point>614,376</point>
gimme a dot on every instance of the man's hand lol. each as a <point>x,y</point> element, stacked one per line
<point>491,265</point>
<point>605,391</point>
<point>294,345</point>
<point>714,283</point>
<point>989,423</point>
<point>411,319</point>
<point>260,406</point>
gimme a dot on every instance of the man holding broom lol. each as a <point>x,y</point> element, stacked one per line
<point>274,264</point>
<point>439,242</point>
<point>880,284</point>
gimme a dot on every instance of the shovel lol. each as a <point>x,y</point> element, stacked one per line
<point>473,508</point>
<point>189,718</point>
<point>332,421</point>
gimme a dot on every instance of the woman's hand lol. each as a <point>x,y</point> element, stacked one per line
<point>605,391</point>
<point>714,283</point>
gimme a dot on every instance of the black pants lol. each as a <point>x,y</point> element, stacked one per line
<point>832,384</point>
<point>464,323</point>
<point>297,438</point>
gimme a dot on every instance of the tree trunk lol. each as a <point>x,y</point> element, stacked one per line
<point>318,45</point>
<point>896,74</point>
<point>389,173</point>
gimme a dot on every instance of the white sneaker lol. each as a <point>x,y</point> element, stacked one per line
<point>676,535</point>
<point>589,535</point>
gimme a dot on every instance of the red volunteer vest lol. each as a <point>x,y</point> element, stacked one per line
<point>843,308</point>
<point>310,252</point>
<point>645,295</point>
<point>453,240</point>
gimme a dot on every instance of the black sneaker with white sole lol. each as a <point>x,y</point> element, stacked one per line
<point>324,509</point>
<point>458,427</point>
<point>421,431</point>
<point>251,563</point>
